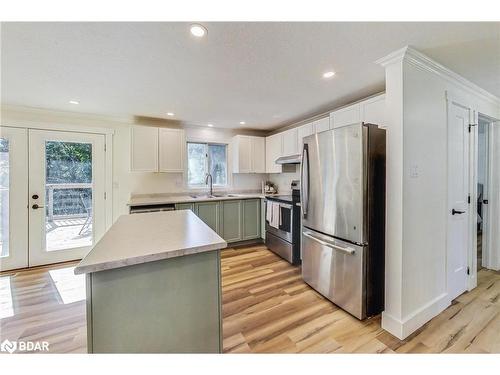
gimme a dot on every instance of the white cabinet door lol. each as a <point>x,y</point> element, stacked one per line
<point>242,152</point>
<point>373,110</point>
<point>304,131</point>
<point>172,150</point>
<point>322,125</point>
<point>144,149</point>
<point>290,146</point>
<point>345,116</point>
<point>274,147</point>
<point>258,155</point>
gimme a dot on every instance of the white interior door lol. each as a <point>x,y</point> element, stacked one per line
<point>458,193</point>
<point>66,195</point>
<point>13,198</point>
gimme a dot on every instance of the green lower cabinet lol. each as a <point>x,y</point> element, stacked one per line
<point>185,206</point>
<point>251,219</point>
<point>209,212</point>
<point>263,219</point>
<point>231,220</point>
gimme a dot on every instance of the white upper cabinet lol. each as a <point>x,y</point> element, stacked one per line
<point>373,110</point>
<point>248,154</point>
<point>305,130</point>
<point>157,149</point>
<point>144,149</point>
<point>345,116</point>
<point>322,124</point>
<point>274,149</point>
<point>259,154</point>
<point>302,132</point>
<point>172,146</point>
<point>290,142</point>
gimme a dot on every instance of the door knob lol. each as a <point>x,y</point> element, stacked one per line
<point>456,212</point>
<point>34,196</point>
<point>36,206</point>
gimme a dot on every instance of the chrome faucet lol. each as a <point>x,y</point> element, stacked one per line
<point>211,183</point>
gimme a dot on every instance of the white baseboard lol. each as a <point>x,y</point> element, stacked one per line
<point>403,328</point>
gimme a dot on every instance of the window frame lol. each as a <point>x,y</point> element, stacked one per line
<point>207,163</point>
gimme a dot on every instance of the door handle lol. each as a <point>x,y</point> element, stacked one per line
<point>346,250</point>
<point>456,212</point>
<point>36,206</point>
<point>304,182</point>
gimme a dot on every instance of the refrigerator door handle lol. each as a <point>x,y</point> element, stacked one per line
<point>347,250</point>
<point>304,181</point>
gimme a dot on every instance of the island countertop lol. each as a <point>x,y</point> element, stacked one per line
<point>147,237</point>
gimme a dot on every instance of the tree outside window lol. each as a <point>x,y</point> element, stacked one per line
<point>206,158</point>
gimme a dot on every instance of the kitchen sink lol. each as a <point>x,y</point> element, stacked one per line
<point>200,196</point>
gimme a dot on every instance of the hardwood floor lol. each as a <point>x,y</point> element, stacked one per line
<point>267,308</point>
<point>44,304</point>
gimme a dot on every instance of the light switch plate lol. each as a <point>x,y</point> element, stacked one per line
<point>414,171</point>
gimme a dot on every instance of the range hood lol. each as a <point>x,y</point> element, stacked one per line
<point>291,159</point>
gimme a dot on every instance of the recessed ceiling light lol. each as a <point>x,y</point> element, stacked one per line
<point>242,122</point>
<point>170,114</point>
<point>74,102</point>
<point>328,74</point>
<point>209,125</point>
<point>198,30</point>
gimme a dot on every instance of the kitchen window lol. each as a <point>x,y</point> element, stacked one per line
<point>206,158</point>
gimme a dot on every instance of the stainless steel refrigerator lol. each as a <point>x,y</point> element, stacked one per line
<point>343,216</point>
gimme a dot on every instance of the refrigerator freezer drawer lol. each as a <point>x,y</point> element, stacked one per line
<point>336,269</point>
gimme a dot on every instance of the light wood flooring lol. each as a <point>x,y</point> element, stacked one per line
<point>267,308</point>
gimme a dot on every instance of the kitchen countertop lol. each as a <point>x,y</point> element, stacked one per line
<point>148,237</point>
<point>152,199</point>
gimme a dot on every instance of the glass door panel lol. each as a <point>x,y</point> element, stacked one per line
<point>67,210</point>
<point>13,198</point>
<point>68,195</point>
<point>4,197</point>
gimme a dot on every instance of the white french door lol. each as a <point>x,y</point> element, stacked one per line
<point>53,203</point>
<point>459,167</point>
<point>13,198</point>
<point>66,194</point>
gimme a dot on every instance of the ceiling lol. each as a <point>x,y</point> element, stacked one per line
<point>266,74</point>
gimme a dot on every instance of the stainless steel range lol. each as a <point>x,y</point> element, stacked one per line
<point>283,224</point>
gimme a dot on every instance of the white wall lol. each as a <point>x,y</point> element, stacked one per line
<point>284,179</point>
<point>494,198</point>
<point>416,227</point>
<point>125,182</point>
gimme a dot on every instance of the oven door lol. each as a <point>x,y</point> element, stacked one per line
<point>285,229</point>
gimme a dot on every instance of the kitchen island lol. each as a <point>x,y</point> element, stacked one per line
<point>153,285</point>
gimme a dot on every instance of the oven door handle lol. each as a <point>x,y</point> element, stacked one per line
<point>347,250</point>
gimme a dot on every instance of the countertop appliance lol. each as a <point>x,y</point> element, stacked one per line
<point>284,239</point>
<point>343,216</point>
